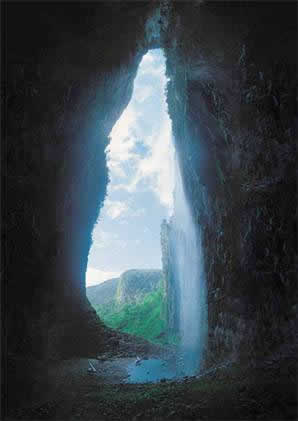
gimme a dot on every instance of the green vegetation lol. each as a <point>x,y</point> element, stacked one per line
<point>135,303</point>
<point>134,284</point>
<point>144,318</point>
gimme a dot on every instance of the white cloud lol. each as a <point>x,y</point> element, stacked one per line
<point>130,186</point>
<point>123,222</point>
<point>138,212</point>
<point>122,128</point>
<point>149,65</point>
<point>122,143</point>
<point>147,58</point>
<point>122,138</point>
<point>130,170</point>
<point>158,168</point>
<point>156,171</point>
<point>151,70</point>
<point>103,239</point>
<point>97,276</point>
<point>115,208</point>
<point>116,169</point>
<point>143,92</point>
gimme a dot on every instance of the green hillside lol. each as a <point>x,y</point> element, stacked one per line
<point>132,285</point>
<point>133,303</point>
<point>145,318</point>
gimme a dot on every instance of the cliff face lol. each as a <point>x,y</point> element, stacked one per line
<point>170,287</point>
<point>232,103</point>
<point>132,286</point>
<point>135,283</point>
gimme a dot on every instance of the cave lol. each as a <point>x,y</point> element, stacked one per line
<point>68,74</point>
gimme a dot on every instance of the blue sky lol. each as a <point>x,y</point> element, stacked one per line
<point>140,159</point>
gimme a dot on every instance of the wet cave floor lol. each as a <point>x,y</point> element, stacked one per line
<point>73,390</point>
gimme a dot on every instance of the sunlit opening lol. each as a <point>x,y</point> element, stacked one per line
<point>146,188</point>
<point>140,192</point>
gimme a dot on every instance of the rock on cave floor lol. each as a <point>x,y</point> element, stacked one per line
<point>266,391</point>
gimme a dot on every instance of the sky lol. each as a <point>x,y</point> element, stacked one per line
<point>140,159</point>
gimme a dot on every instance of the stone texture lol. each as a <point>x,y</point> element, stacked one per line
<point>134,284</point>
<point>70,71</point>
<point>232,103</point>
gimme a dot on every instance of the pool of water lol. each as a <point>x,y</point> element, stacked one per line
<point>151,370</point>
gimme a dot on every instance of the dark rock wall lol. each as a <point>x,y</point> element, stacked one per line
<point>232,101</point>
<point>68,76</point>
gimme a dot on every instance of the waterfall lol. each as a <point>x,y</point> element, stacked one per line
<point>189,279</point>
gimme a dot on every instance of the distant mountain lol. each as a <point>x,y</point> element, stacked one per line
<point>135,283</point>
<point>132,286</point>
<point>134,303</point>
<point>103,293</point>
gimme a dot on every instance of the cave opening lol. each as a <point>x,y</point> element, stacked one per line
<point>124,278</point>
<point>145,221</point>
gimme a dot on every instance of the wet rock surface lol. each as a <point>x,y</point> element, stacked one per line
<point>231,99</point>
